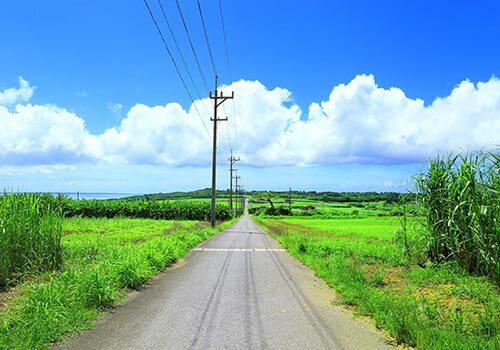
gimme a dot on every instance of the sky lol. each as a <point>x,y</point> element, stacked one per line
<point>329,95</point>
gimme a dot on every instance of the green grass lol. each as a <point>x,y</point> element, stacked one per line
<point>461,198</point>
<point>102,260</point>
<point>376,227</point>
<point>316,207</point>
<point>437,306</point>
<point>30,237</point>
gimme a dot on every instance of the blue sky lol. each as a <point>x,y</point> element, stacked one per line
<point>99,60</point>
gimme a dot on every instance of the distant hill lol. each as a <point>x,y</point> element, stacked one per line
<point>197,194</point>
<point>313,195</point>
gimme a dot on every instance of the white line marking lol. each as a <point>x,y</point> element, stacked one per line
<point>238,250</point>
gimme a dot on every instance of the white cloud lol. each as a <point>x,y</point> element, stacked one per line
<point>34,134</point>
<point>360,122</point>
<point>22,94</point>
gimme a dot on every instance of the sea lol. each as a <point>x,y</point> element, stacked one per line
<point>95,195</point>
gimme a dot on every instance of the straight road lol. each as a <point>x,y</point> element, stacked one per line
<point>239,290</point>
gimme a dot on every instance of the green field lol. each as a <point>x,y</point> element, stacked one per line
<point>102,259</point>
<point>381,228</point>
<point>430,306</point>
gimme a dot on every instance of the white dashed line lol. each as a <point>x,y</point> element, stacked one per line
<point>238,250</point>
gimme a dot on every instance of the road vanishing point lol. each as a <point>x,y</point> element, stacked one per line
<point>239,290</point>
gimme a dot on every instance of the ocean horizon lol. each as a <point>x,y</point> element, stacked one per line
<point>94,195</point>
<point>88,195</point>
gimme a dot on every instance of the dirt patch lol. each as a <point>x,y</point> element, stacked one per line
<point>279,228</point>
<point>177,226</point>
<point>6,297</point>
<point>203,224</point>
<point>395,275</point>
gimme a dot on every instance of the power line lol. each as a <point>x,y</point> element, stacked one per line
<point>175,64</point>
<point>181,55</point>
<point>228,63</point>
<point>225,41</point>
<point>206,38</point>
<point>192,46</point>
<point>178,48</point>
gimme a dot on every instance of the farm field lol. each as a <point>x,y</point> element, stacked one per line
<point>102,260</point>
<point>428,306</point>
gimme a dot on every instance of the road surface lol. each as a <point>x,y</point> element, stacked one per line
<point>239,290</point>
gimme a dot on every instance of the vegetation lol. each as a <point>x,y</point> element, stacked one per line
<point>426,269</point>
<point>102,259</point>
<point>197,194</point>
<point>430,306</point>
<point>461,198</point>
<point>30,236</point>
<point>31,225</point>
<point>164,210</point>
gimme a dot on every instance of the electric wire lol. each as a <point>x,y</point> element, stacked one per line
<point>225,40</point>
<point>210,54</point>
<point>179,51</point>
<point>192,46</point>
<point>175,64</point>
<point>223,25</point>
<point>178,48</point>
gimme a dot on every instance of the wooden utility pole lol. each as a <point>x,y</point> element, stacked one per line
<point>232,161</point>
<point>236,194</point>
<point>290,200</point>
<point>218,100</point>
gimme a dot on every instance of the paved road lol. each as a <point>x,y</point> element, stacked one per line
<point>239,290</point>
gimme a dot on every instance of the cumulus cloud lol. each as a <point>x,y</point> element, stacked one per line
<point>360,122</point>
<point>34,134</point>
<point>22,94</point>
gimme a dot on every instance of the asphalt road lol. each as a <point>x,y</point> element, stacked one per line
<point>239,290</point>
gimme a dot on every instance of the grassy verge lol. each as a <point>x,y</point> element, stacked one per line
<point>102,260</point>
<point>429,307</point>
<point>30,237</point>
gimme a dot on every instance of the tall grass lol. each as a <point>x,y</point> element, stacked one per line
<point>461,197</point>
<point>30,236</point>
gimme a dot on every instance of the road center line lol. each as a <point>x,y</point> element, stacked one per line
<point>238,250</point>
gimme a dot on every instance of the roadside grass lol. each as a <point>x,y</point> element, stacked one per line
<point>102,260</point>
<point>30,237</point>
<point>429,307</point>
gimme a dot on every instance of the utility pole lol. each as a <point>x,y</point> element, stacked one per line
<point>218,100</point>
<point>232,161</point>
<point>236,194</point>
<point>242,199</point>
<point>290,200</point>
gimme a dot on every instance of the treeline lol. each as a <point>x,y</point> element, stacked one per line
<point>340,197</point>
<point>197,194</point>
